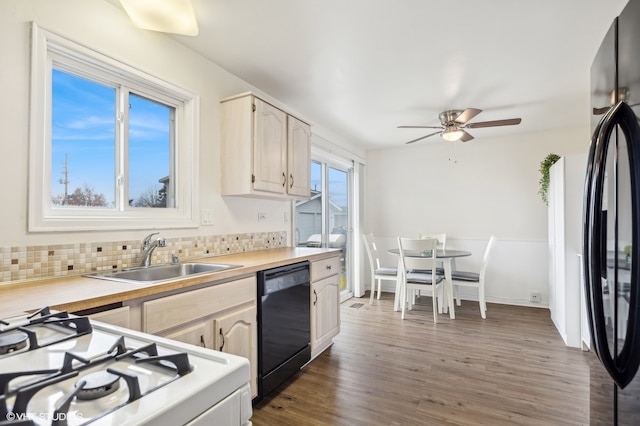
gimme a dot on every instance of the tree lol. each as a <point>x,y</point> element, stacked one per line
<point>84,196</point>
<point>152,198</point>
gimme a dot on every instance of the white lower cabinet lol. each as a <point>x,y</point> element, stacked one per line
<point>237,333</point>
<point>221,317</point>
<point>199,334</point>
<point>325,303</point>
<point>118,316</point>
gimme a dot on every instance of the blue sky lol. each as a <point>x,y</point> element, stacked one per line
<point>338,183</point>
<point>83,128</point>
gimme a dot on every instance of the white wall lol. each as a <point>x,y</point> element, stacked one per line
<point>471,191</point>
<point>106,28</point>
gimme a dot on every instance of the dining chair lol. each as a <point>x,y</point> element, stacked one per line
<point>412,280</point>
<point>474,279</point>
<point>442,245</point>
<point>378,272</point>
<point>442,238</point>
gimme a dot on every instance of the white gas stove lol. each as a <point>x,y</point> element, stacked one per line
<point>61,369</point>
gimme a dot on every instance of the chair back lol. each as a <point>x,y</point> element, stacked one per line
<point>485,258</point>
<point>442,239</point>
<point>427,246</point>
<point>372,251</point>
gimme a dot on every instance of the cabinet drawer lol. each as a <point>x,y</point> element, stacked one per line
<point>325,268</point>
<point>172,311</point>
<point>118,316</point>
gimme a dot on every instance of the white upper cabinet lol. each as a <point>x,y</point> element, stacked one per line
<point>299,157</point>
<point>265,151</point>
<point>269,148</point>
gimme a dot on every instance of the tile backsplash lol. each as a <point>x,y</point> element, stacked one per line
<point>44,261</point>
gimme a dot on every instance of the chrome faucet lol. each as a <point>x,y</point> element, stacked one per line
<point>149,246</point>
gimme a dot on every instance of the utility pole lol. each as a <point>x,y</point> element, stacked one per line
<point>65,180</point>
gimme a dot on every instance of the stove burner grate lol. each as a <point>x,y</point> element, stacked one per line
<point>42,328</point>
<point>94,385</point>
<point>98,385</point>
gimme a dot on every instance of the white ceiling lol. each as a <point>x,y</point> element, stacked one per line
<point>360,68</point>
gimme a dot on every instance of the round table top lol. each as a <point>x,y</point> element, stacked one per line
<point>440,254</point>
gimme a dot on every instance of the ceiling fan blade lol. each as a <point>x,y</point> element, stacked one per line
<point>466,137</point>
<point>424,137</point>
<point>509,122</point>
<point>467,115</point>
<point>419,127</point>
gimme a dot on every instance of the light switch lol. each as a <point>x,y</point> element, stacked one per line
<point>206,217</point>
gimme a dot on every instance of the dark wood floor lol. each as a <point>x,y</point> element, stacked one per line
<point>510,369</point>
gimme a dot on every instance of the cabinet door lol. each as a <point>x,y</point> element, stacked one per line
<point>198,334</point>
<point>236,333</point>
<point>269,149</point>
<point>299,157</point>
<point>325,313</point>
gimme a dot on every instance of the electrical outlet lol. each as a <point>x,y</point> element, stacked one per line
<point>262,217</point>
<point>534,296</point>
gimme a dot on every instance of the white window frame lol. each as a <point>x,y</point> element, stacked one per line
<point>48,49</point>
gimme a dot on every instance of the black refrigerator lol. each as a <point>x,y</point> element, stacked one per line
<point>611,225</point>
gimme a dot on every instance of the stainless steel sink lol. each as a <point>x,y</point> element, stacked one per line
<point>159,273</point>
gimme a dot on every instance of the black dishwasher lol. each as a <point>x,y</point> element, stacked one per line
<point>284,329</point>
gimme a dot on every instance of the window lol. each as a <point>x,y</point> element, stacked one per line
<point>111,146</point>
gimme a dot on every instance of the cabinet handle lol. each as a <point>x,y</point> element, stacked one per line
<point>222,336</point>
<point>284,179</point>
<point>291,178</point>
<point>328,267</point>
<point>316,300</point>
<point>202,341</point>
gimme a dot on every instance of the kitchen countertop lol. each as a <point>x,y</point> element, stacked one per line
<point>74,293</point>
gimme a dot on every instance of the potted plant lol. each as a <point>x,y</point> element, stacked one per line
<point>545,165</point>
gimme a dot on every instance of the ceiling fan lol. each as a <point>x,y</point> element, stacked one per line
<point>455,121</point>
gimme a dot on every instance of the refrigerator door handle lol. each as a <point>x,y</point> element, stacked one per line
<point>622,366</point>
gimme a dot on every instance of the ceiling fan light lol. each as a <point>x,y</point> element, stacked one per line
<point>167,16</point>
<point>451,134</point>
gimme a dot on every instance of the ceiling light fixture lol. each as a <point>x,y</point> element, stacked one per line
<point>167,16</point>
<point>451,134</point>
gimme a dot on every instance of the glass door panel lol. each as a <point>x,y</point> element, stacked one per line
<point>325,219</point>
<point>309,217</point>
<point>338,210</point>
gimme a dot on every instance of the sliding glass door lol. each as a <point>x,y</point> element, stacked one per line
<point>325,219</point>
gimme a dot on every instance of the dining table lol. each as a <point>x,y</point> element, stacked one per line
<point>448,257</point>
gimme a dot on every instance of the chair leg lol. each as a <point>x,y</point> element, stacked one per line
<point>434,300</point>
<point>379,288</point>
<point>403,299</point>
<point>456,290</point>
<point>373,290</point>
<point>483,303</point>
